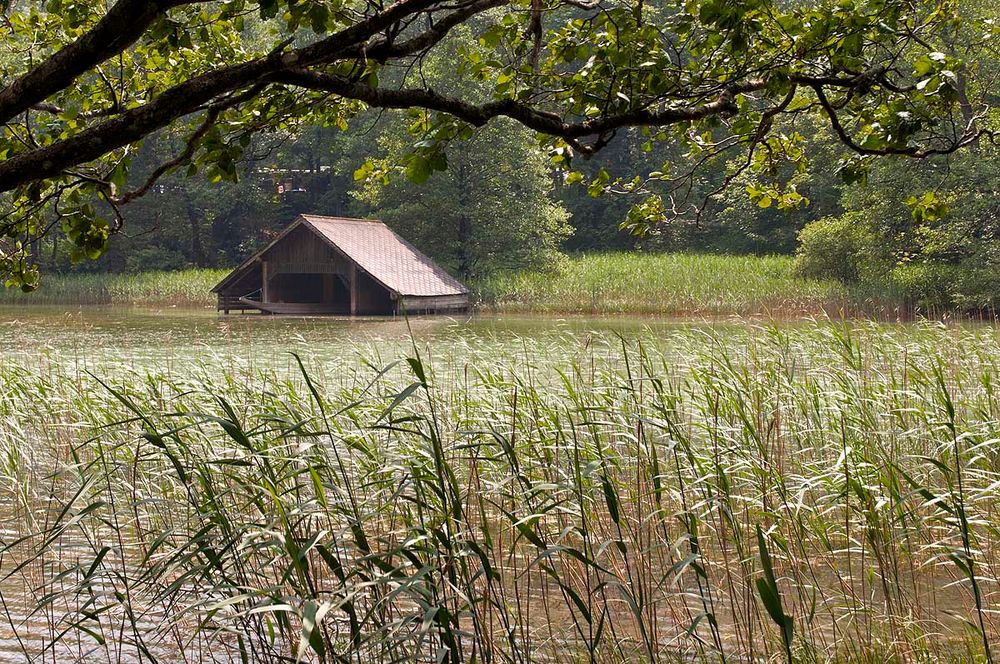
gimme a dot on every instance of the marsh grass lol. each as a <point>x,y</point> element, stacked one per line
<point>697,286</point>
<point>620,283</point>
<point>675,283</point>
<point>184,288</point>
<point>821,493</point>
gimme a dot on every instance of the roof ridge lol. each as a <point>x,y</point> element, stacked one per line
<point>323,217</point>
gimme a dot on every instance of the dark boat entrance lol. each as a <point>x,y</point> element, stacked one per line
<point>309,289</point>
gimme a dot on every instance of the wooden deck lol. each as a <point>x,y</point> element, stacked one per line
<point>229,303</point>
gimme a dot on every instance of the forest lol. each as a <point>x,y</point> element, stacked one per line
<point>502,207</point>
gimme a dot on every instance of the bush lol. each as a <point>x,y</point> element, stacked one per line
<point>844,248</point>
<point>961,286</point>
<point>927,285</point>
<point>978,288</point>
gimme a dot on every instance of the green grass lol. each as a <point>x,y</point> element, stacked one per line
<point>741,493</point>
<point>623,283</point>
<point>186,288</point>
<point>678,284</point>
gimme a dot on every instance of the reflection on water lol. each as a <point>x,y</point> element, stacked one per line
<point>105,334</point>
<point>105,337</point>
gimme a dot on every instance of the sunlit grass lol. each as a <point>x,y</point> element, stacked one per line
<point>684,284</point>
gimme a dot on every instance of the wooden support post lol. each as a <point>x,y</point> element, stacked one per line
<point>265,295</point>
<point>353,274</point>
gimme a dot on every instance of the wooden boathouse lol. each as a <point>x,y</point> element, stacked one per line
<point>335,265</point>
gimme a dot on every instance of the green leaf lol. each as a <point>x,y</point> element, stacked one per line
<point>312,617</point>
<point>418,169</point>
<point>767,588</point>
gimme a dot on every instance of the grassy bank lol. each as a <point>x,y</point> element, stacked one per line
<point>822,493</point>
<point>186,288</point>
<point>678,284</point>
<point>673,284</point>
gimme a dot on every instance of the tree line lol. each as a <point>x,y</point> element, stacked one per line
<point>497,134</point>
<point>929,230</point>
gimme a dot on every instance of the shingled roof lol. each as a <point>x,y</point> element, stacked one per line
<point>385,256</point>
<point>376,249</point>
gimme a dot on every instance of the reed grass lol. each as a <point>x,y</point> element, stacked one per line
<point>620,283</point>
<point>184,288</point>
<point>675,283</point>
<point>815,493</point>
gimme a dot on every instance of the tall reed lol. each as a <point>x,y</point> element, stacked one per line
<point>819,493</point>
<point>183,288</point>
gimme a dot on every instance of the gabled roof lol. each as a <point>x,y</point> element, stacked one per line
<point>376,249</point>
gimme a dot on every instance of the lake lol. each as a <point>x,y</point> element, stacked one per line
<point>175,488</point>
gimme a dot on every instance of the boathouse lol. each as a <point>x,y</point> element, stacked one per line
<point>334,265</point>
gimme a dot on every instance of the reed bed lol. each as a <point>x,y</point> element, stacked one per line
<point>618,283</point>
<point>183,288</point>
<point>670,283</point>
<point>816,493</point>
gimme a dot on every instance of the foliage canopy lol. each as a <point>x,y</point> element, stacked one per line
<point>86,83</point>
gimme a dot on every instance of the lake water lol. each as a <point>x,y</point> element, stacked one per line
<point>107,334</point>
<point>104,340</point>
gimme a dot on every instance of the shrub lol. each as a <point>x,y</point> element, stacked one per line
<point>963,286</point>
<point>927,285</point>
<point>978,287</point>
<point>844,248</point>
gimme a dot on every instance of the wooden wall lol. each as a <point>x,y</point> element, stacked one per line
<point>372,298</point>
<point>302,249</point>
<point>441,303</point>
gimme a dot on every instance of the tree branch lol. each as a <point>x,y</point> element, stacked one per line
<point>371,37</point>
<point>185,98</point>
<point>121,27</point>
<point>539,120</point>
<point>387,50</point>
<point>211,115</point>
<point>969,136</point>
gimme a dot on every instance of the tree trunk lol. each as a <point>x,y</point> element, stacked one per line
<point>197,248</point>
<point>464,226</point>
<point>464,244</point>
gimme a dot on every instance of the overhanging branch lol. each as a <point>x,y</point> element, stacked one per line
<point>121,27</point>
<point>969,136</point>
<point>133,124</point>
<point>533,118</point>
